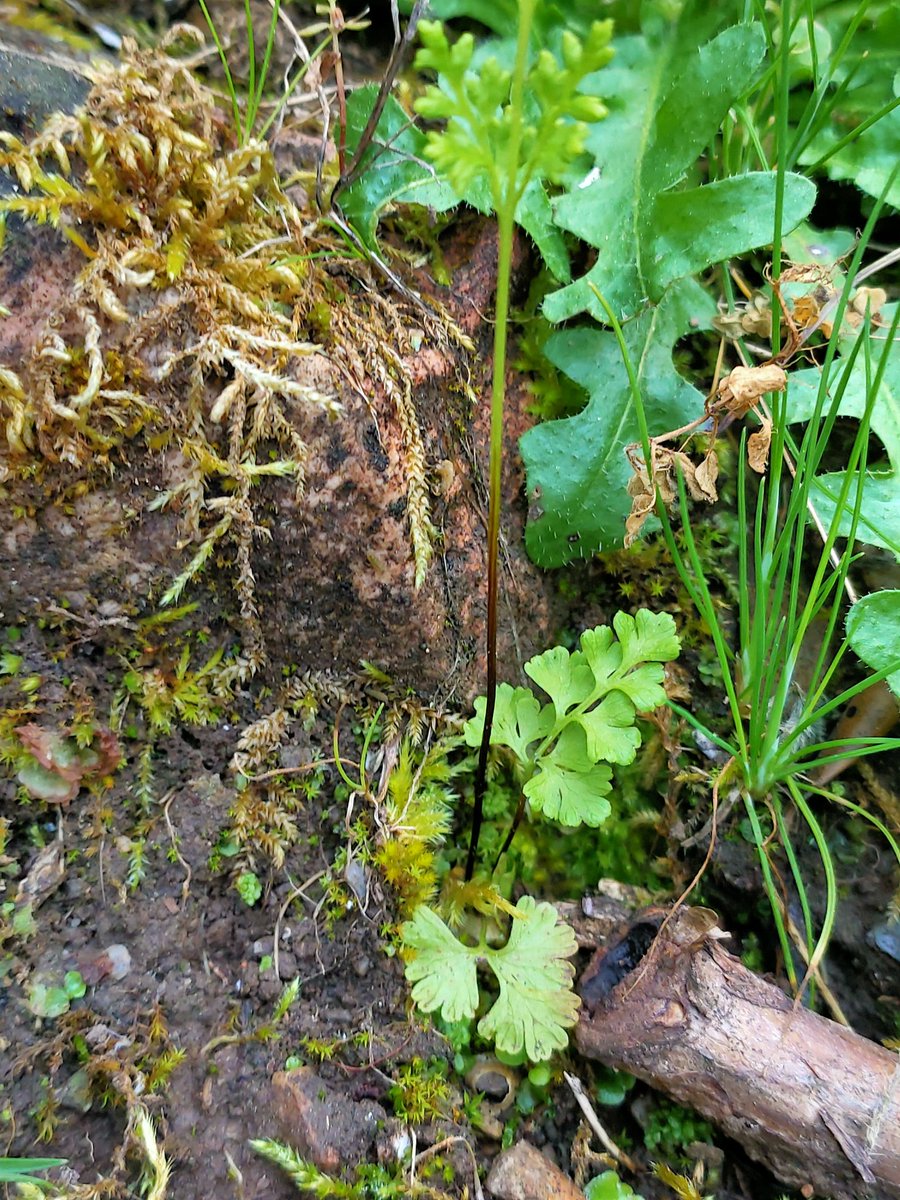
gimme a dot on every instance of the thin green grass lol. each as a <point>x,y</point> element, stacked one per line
<point>246,109</point>
<point>774,742</point>
<point>22,1170</point>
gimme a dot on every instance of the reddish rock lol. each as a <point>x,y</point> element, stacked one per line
<point>328,576</point>
<point>319,1123</point>
<point>335,579</point>
<point>523,1173</point>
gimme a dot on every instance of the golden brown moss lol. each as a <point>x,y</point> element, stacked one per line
<point>190,323</point>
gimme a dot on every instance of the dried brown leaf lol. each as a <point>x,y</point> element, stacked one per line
<point>871,298</point>
<point>45,874</point>
<point>739,391</point>
<point>676,458</point>
<point>807,308</point>
<point>806,273</point>
<point>698,480</point>
<point>754,318</point>
<point>758,447</point>
<point>642,503</point>
<point>707,474</point>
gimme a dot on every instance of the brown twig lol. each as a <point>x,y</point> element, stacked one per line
<point>594,1121</point>
<point>350,172</point>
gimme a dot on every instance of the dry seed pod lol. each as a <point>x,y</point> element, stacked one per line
<point>739,391</point>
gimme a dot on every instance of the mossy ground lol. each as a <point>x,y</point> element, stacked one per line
<point>193,234</point>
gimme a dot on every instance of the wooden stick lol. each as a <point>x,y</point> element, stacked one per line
<point>816,1103</point>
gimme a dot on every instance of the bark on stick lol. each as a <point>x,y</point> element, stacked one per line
<point>816,1103</point>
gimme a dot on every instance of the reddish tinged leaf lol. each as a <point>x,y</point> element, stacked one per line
<point>60,765</point>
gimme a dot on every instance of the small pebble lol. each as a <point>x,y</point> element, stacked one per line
<point>887,938</point>
<point>287,966</point>
<point>119,960</point>
<point>76,1094</point>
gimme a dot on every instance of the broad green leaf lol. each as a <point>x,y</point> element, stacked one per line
<point>442,970</point>
<point>868,161</point>
<point>666,103</point>
<point>703,225</point>
<point>610,729</point>
<point>518,721</point>
<point>826,247</point>
<point>567,786</point>
<point>885,419</point>
<point>565,677</point>
<point>577,468</point>
<point>609,1186</point>
<point>535,214</point>
<point>502,16</point>
<point>870,71</point>
<point>879,523</point>
<point>395,168</point>
<point>536,1004</point>
<point>873,631</point>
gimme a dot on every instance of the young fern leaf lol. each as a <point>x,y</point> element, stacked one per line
<point>477,145</point>
<point>519,720</point>
<point>595,694</point>
<point>570,787</point>
<point>441,967</point>
<point>506,130</point>
<point>536,1004</point>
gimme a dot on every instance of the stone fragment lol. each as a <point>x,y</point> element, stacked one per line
<point>523,1173</point>
<point>323,1126</point>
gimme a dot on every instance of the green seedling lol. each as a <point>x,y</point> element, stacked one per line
<point>49,1002</point>
<point>191,697</point>
<point>538,129</point>
<point>23,1170</point>
<point>670,1128</point>
<point>562,749</point>
<point>248,887</point>
<point>609,1186</point>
